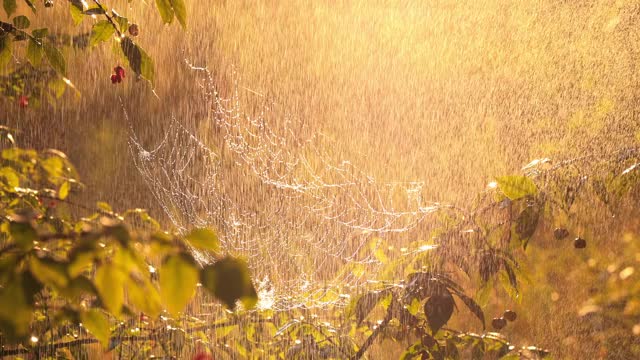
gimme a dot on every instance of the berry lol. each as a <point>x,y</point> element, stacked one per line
<point>510,315</point>
<point>579,243</point>
<point>119,70</point>
<point>560,233</point>
<point>115,78</point>
<point>203,356</point>
<point>498,323</point>
<point>23,101</point>
<point>133,30</point>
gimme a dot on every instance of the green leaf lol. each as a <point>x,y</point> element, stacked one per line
<point>57,86</point>
<point>101,31</point>
<point>527,223</point>
<point>366,303</point>
<point>181,12</point>
<point>40,33</point>
<point>17,297</point>
<point>49,272</point>
<point>9,6</point>
<point>97,324</point>
<point>178,280</point>
<point>10,177</point>
<point>30,5</point>
<point>79,288</point>
<point>21,22</point>
<point>122,21</point>
<point>228,280</point>
<point>54,166</point>
<point>166,10</point>
<point>144,297</point>
<point>109,281</point>
<point>516,187</point>
<point>204,239</point>
<point>96,10</point>
<point>438,310</point>
<point>56,59</point>
<point>139,61</point>
<point>473,307</point>
<point>35,52</point>
<point>64,190</point>
<point>23,234</point>
<point>76,12</point>
<point>6,45</point>
<point>104,206</point>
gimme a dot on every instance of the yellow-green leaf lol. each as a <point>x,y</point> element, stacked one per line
<point>228,280</point>
<point>101,31</point>
<point>178,280</point>
<point>10,6</point>
<point>109,281</point>
<point>23,234</point>
<point>140,62</point>
<point>49,272</point>
<point>35,52</point>
<point>9,177</point>
<point>97,324</point>
<point>64,190</point>
<point>516,187</point>
<point>144,297</point>
<point>181,11</point>
<point>21,22</point>
<point>76,12</point>
<point>104,206</point>
<point>204,239</point>
<point>56,59</point>
<point>166,10</point>
<point>6,46</point>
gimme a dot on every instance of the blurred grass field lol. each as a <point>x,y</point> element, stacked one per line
<point>452,93</point>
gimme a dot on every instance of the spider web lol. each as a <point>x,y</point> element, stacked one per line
<point>277,196</point>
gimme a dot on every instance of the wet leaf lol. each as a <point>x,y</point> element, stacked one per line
<point>438,309</point>
<point>30,5</point>
<point>6,47</point>
<point>64,190</point>
<point>9,6</point>
<point>23,234</point>
<point>35,52</point>
<point>229,281</point>
<point>166,10</point>
<point>21,22</point>
<point>473,307</point>
<point>368,302</point>
<point>55,58</point>
<point>181,12</point>
<point>178,279</point>
<point>144,297</point>
<point>97,324</point>
<point>76,11</point>
<point>109,281</point>
<point>516,186</point>
<point>16,305</point>
<point>100,32</point>
<point>97,10</point>
<point>122,22</point>
<point>40,33</point>
<point>49,272</point>
<point>139,61</point>
<point>204,239</point>
<point>527,223</point>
